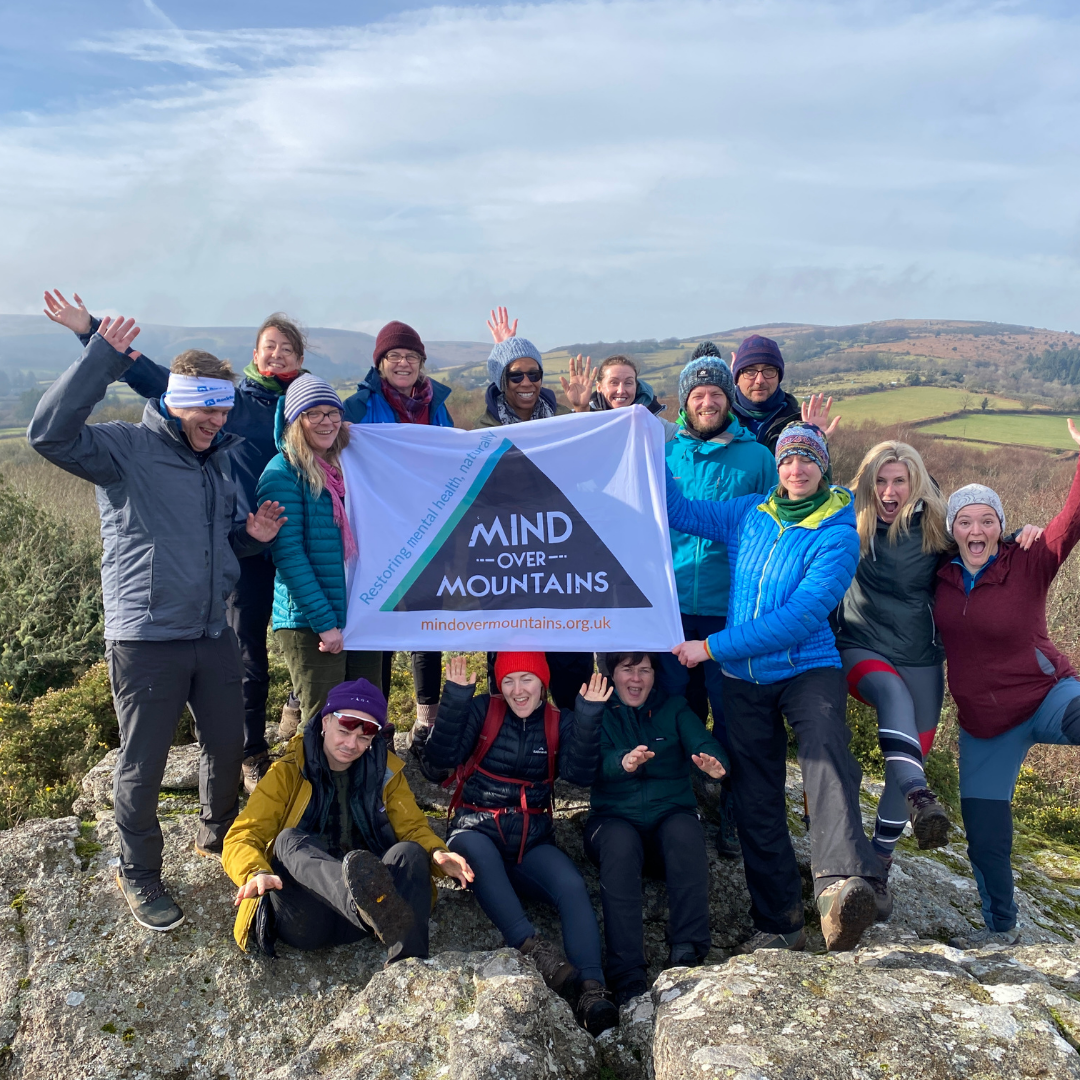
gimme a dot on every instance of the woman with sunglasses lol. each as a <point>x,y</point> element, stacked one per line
<point>397,390</point>
<point>309,587</point>
<point>332,847</point>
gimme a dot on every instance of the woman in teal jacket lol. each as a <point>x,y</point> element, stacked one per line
<point>314,545</point>
<point>644,819</point>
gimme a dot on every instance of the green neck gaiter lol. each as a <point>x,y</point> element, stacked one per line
<point>793,510</point>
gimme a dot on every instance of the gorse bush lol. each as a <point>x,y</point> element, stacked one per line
<point>51,617</point>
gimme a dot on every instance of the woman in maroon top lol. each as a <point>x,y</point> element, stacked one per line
<point>1012,687</point>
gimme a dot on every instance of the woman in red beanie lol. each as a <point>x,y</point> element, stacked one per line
<point>508,751</point>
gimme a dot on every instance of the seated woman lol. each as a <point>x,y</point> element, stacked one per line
<point>1013,688</point>
<point>501,814</point>
<point>332,847</point>
<point>644,817</point>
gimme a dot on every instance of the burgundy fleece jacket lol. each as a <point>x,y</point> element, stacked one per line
<point>1001,661</point>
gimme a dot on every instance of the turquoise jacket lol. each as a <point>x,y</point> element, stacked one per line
<point>309,586</point>
<point>732,464</point>
<point>672,731</point>
<point>787,579</point>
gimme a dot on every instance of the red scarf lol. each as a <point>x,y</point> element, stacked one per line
<point>335,484</point>
<point>415,409</point>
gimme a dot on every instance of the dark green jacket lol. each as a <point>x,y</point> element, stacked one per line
<point>673,732</point>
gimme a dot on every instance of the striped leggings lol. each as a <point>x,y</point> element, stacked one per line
<point>908,703</point>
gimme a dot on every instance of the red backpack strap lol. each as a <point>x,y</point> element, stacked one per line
<point>493,722</point>
<point>552,717</point>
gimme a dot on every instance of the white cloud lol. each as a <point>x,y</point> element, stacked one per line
<point>611,169</point>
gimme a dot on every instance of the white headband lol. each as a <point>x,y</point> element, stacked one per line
<point>198,392</point>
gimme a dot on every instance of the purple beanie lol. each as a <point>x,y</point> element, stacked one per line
<point>359,695</point>
<point>758,350</point>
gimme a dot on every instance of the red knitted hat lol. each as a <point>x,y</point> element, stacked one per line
<point>397,335</point>
<point>506,663</point>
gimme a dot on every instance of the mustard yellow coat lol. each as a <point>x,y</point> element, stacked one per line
<point>279,802</point>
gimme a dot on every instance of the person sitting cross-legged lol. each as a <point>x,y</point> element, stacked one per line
<point>332,847</point>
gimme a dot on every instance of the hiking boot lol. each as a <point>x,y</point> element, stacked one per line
<point>290,718</point>
<point>265,926</point>
<point>630,991</point>
<point>683,954</point>
<point>554,969</point>
<point>253,769</point>
<point>727,836</point>
<point>212,850</point>
<point>795,941</point>
<point>416,741</point>
<point>596,1011</point>
<point>150,904</point>
<point>883,898</point>
<point>986,938</point>
<point>847,908</point>
<point>929,822</point>
<point>378,902</point>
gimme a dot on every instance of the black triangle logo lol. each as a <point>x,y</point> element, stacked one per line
<point>517,543</point>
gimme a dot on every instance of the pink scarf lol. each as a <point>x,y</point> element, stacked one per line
<point>335,484</point>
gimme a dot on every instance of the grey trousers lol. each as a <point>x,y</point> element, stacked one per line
<point>151,683</point>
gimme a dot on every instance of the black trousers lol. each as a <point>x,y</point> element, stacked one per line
<point>151,682</point>
<point>673,850</point>
<point>427,677</point>
<point>568,671</point>
<point>248,610</point>
<point>314,909</point>
<point>814,705</point>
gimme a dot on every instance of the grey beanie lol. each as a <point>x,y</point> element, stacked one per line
<point>705,371</point>
<point>974,495</point>
<point>506,352</point>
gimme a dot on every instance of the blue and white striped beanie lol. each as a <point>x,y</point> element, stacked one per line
<point>305,392</point>
<point>506,352</point>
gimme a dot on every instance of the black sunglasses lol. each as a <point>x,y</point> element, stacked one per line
<point>521,376</point>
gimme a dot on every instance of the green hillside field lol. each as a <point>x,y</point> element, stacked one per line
<point>1030,429</point>
<point>914,403</point>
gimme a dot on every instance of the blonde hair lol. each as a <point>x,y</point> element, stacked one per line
<point>301,457</point>
<point>924,495</point>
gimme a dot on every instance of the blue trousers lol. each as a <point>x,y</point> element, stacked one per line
<point>988,772</point>
<point>545,874</point>
<point>702,686</point>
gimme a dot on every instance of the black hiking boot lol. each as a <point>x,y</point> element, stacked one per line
<point>882,893</point>
<point>929,822</point>
<point>554,968</point>
<point>765,939</point>
<point>629,991</point>
<point>683,954</point>
<point>151,906</point>
<point>265,926</point>
<point>596,1011</point>
<point>416,740</point>
<point>373,893</point>
<point>253,769</point>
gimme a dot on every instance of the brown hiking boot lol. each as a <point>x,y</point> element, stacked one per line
<point>290,718</point>
<point>372,889</point>
<point>596,1010</point>
<point>929,822</point>
<point>253,769</point>
<point>554,968</point>
<point>847,908</point>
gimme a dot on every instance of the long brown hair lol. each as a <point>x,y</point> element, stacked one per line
<point>301,457</point>
<point>923,496</point>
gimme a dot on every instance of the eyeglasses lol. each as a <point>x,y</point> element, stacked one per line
<point>520,376</point>
<point>368,728</point>
<point>333,415</point>
<point>768,373</point>
<point>412,359</point>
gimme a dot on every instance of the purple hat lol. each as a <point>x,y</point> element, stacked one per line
<point>359,695</point>
<point>758,350</point>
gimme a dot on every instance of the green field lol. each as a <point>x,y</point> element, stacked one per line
<point>913,403</point>
<point>1034,430</point>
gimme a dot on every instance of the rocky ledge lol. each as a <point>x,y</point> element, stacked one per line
<point>86,993</point>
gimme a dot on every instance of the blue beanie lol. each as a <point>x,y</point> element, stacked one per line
<point>758,350</point>
<point>706,371</point>
<point>305,392</point>
<point>506,352</point>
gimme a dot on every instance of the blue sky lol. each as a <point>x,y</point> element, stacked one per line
<point>608,168</point>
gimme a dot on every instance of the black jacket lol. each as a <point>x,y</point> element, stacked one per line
<point>518,751</point>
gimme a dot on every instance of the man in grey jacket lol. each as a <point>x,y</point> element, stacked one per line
<point>171,533</point>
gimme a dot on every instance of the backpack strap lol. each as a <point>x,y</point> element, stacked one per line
<point>493,722</point>
<point>552,716</point>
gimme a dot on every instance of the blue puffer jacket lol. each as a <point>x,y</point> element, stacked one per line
<point>519,751</point>
<point>732,464</point>
<point>309,586</point>
<point>369,405</point>
<point>787,580</point>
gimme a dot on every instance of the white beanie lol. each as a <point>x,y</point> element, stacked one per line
<point>974,495</point>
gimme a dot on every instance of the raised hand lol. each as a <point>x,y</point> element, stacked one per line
<point>597,690</point>
<point>454,866</point>
<point>76,319</point>
<point>1028,535</point>
<point>264,524</point>
<point>457,671</point>
<point>814,412</point>
<point>258,885</point>
<point>1073,432</point>
<point>691,653</point>
<point>579,387</point>
<point>118,332</point>
<point>637,757</point>
<point>709,765</point>
<point>500,326</point>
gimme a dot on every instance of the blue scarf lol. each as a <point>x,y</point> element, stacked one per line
<point>755,415</point>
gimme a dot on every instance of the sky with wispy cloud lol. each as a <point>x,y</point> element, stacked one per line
<point>608,168</point>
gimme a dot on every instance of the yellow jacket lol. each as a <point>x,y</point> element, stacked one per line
<point>279,802</point>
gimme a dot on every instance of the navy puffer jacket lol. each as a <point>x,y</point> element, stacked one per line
<point>518,751</point>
